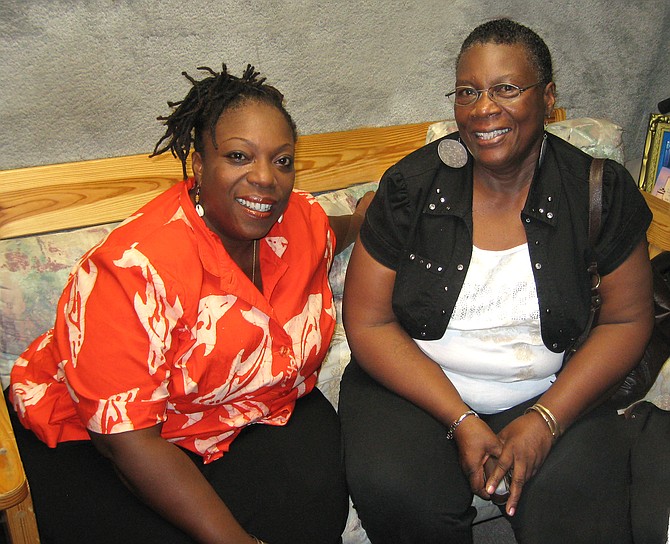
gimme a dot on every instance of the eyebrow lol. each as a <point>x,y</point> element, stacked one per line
<point>286,145</point>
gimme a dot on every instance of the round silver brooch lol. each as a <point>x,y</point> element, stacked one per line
<point>452,153</point>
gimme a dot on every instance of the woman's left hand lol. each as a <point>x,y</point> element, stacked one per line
<point>526,443</point>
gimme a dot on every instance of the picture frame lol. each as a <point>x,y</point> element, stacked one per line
<point>655,167</point>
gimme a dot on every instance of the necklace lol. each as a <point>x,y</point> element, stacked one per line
<point>253,263</point>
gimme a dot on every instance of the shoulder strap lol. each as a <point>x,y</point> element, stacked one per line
<point>595,199</point>
<point>595,219</point>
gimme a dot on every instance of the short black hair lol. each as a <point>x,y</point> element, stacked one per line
<point>507,32</point>
<point>204,104</point>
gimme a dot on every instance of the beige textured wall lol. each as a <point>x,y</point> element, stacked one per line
<point>87,79</point>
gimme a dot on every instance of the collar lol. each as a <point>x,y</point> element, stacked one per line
<point>451,191</point>
<point>544,196</point>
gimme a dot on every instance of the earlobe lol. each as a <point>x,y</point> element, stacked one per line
<point>549,98</point>
<point>196,165</point>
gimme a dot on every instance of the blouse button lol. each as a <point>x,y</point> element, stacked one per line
<point>423,333</point>
<point>439,269</point>
<point>548,311</point>
<point>443,200</point>
<point>444,312</point>
<point>554,345</point>
<point>460,267</point>
<point>412,256</point>
<point>541,210</point>
<point>446,288</point>
<point>550,215</point>
<point>538,266</point>
<point>438,190</point>
<point>549,199</point>
<point>431,206</point>
<point>527,219</point>
<point>428,266</point>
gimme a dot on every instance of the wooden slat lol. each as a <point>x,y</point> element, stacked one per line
<point>339,159</point>
<point>13,484</point>
<point>658,234</point>
<point>62,196</point>
<point>22,523</point>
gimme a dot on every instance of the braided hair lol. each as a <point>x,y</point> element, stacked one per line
<point>204,104</point>
<point>507,32</point>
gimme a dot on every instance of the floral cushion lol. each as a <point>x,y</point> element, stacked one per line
<point>340,202</point>
<point>33,271</point>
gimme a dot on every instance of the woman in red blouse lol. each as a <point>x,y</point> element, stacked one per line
<point>207,311</point>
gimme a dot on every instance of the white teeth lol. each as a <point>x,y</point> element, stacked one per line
<point>490,135</point>
<point>256,206</point>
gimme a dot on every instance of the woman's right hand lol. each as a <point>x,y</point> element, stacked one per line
<point>477,444</point>
<point>526,441</point>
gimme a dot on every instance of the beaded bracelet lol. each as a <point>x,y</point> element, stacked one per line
<point>549,419</point>
<point>457,422</point>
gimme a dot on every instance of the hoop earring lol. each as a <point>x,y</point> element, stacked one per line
<point>198,207</point>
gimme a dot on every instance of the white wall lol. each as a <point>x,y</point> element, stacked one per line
<point>87,79</point>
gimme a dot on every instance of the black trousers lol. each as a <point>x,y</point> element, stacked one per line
<point>650,474</point>
<point>283,484</point>
<point>407,485</point>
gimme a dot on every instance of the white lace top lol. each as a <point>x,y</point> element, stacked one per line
<point>492,350</point>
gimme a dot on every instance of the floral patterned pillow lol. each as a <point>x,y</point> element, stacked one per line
<point>33,271</point>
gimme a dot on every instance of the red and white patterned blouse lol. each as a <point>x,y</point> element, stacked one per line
<point>157,324</point>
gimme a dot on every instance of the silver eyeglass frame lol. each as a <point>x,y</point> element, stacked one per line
<point>490,93</point>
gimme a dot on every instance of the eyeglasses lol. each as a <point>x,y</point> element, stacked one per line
<point>502,93</point>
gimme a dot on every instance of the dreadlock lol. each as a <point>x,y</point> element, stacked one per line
<point>202,107</point>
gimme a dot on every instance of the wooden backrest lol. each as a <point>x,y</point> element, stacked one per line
<point>61,196</point>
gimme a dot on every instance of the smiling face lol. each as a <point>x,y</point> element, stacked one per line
<point>502,137</point>
<point>246,181</point>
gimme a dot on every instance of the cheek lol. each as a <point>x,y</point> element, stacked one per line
<point>461,117</point>
<point>286,180</point>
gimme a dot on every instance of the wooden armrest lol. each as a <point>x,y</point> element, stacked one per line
<point>16,503</point>
<point>658,233</point>
<point>13,482</point>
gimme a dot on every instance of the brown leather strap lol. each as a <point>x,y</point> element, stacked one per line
<point>595,199</point>
<point>595,219</point>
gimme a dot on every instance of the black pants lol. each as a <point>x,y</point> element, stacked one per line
<point>283,484</point>
<point>650,474</point>
<point>407,486</point>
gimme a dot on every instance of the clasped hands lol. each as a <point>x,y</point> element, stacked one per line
<point>520,449</point>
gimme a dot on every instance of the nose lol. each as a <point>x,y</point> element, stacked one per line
<point>261,172</point>
<point>484,105</point>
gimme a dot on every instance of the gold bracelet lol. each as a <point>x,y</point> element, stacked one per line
<point>457,422</point>
<point>549,419</point>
